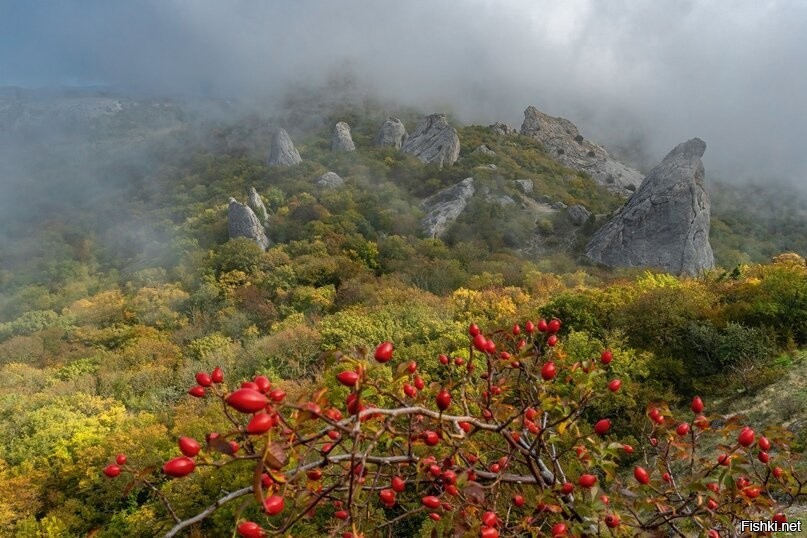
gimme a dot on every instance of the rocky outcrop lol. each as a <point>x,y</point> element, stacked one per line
<point>444,207</point>
<point>242,222</point>
<point>578,214</point>
<point>255,202</point>
<point>502,129</point>
<point>329,180</point>
<point>391,134</point>
<point>341,139</point>
<point>282,151</point>
<point>525,185</point>
<point>565,144</point>
<point>499,199</point>
<point>665,224</point>
<point>484,150</point>
<point>434,141</point>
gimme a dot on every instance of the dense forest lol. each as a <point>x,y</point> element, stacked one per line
<point>113,295</point>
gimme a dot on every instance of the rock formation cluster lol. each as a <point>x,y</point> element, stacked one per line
<point>566,145</point>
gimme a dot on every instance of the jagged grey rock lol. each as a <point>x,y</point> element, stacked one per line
<point>502,129</point>
<point>329,180</point>
<point>256,204</point>
<point>444,207</point>
<point>391,134</point>
<point>242,222</point>
<point>282,151</point>
<point>578,214</point>
<point>434,141</point>
<point>489,166</point>
<point>525,185</point>
<point>566,145</point>
<point>341,139</point>
<point>665,224</point>
<point>483,150</point>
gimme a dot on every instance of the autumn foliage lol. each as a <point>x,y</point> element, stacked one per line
<point>505,442</point>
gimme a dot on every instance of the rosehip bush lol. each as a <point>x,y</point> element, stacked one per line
<point>499,443</point>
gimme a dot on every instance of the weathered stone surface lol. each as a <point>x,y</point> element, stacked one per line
<point>499,199</point>
<point>255,202</point>
<point>434,141</point>
<point>444,207</point>
<point>525,185</point>
<point>341,139</point>
<point>566,145</point>
<point>329,180</point>
<point>502,129</point>
<point>242,222</point>
<point>282,151</point>
<point>483,150</point>
<point>665,224</point>
<point>391,134</point>
<point>489,166</point>
<point>578,214</point>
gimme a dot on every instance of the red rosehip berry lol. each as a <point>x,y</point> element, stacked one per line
<point>112,470</point>
<point>383,353</point>
<point>641,475</point>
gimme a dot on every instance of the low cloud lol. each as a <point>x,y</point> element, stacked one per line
<point>641,75</point>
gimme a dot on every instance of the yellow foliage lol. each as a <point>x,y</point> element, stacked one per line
<point>652,281</point>
<point>18,495</point>
<point>233,279</point>
<point>159,306</point>
<point>542,285</point>
<point>490,305</point>
<point>102,308</point>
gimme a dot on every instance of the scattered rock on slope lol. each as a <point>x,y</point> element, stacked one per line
<point>329,180</point>
<point>525,185</point>
<point>484,150</point>
<point>341,139</point>
<point>256,204</point>
<point>444,207</point>
<point>242,222</point>
<point>391,134</point>
<point>502,129</point>
<point>434,141</point>
<point>282,151</point>
<point>578,214</point>
<point>566,145</point>
<point>665,224</point>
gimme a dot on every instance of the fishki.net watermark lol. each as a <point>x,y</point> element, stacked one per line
<point>770,526</point>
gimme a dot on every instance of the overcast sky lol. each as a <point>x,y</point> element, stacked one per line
<point>731,72</point>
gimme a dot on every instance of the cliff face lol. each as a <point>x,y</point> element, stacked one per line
<point>665,224</point>
<point>565,144</point>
